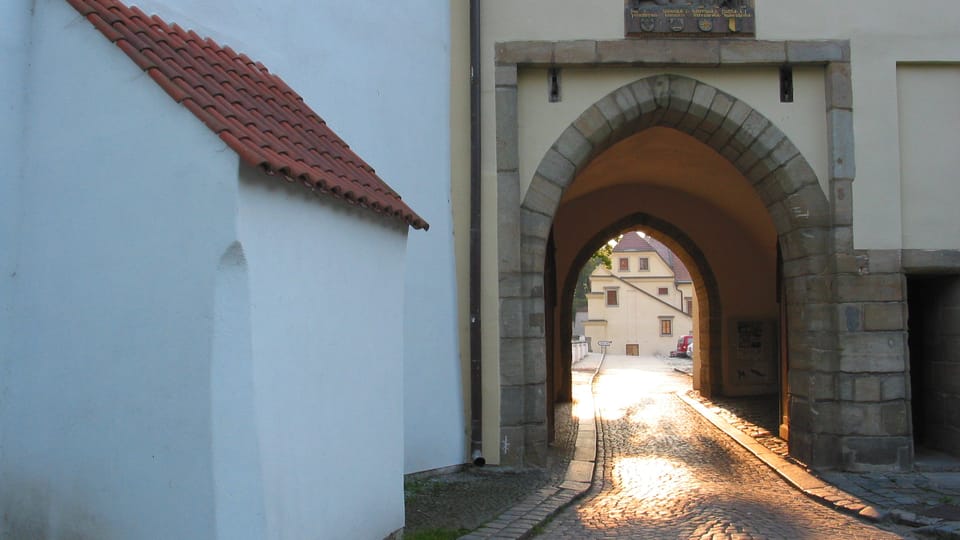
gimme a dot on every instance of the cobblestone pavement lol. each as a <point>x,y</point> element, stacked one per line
<point>665,472</point>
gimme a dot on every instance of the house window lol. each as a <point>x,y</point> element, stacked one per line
<point>663,291</point>
<point>612,299</point>
<point>643,263</point>
<point>624,264</point>
<point>689,305</point>
<point>666,326</point>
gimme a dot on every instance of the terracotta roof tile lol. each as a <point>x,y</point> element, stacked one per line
<point>633,242</point>
<point>253,111</point>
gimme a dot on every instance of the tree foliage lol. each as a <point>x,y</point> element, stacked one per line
<point>602,256</point>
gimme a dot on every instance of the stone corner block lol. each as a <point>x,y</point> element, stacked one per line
<point>886,316</point>
<point>577,52</point>
<point>753,52</point>
<point>505,75</point>
<point>840,143</point>
<point>817,52</point>
<point>524,52</point>
<point>839,91</point>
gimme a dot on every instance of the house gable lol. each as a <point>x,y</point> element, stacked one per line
<point>253,111</point>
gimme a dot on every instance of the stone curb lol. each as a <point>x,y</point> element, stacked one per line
<point>521,520</point>
<point>822,491</point>
<point>808,484</point>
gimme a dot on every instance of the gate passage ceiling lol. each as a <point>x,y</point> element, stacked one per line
<point>665,158</point>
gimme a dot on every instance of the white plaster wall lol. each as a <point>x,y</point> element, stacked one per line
<point>379,74</point>
<point>125,207</point>
<point>14,47</point>
<point>327,360</point>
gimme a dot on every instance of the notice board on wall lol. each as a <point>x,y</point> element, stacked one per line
<point>754,354</point>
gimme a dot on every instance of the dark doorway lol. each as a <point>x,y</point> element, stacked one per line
<point>934,333</point>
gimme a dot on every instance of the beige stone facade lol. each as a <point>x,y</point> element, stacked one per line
<point>803,221</point>
<point>643,303</point>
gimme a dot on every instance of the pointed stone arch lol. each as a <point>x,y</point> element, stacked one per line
<point>705,281</point>
<point>782,178</point>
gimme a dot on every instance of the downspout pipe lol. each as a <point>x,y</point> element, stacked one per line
<point>476,396</point>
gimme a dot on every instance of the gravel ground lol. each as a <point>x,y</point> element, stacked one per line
<point>465,500</point>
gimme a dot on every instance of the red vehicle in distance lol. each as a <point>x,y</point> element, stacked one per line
<point>684,347</point>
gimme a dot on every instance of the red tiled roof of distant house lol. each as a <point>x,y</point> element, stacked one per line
<point>632,241</point>
<point>255,113</point>
<point>680,272</point>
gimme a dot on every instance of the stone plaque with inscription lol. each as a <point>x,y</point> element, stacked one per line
<point>689,18</point>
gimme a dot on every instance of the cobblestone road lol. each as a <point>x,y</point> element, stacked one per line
<point>668,473</point>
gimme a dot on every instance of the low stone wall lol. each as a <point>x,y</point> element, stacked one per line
<point>579,350</point>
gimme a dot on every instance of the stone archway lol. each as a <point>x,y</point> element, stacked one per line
<point>705,283</point>
<point>779,174</point>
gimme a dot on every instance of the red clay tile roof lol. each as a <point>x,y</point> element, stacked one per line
<point>680,272</point>
<point>633,242</point>
<point>265,122</point>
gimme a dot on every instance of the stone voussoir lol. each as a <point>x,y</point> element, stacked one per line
<point>808,208</point>
<point>681,95</point>
<point>573,146</point>
<point>760,148</point>
<point>535,223</point>
<point>737,115</point>
<point>611,111</point>
<point>542,197</point>
<point>594,126</point>
<point>556,169</point>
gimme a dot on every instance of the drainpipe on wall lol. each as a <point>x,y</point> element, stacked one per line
<point>476,397</point>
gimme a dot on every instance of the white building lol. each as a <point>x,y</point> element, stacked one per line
<point>193,348</point>
<point>643,303</point>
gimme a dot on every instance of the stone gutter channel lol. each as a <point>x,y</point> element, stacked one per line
<point>522,520</point>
